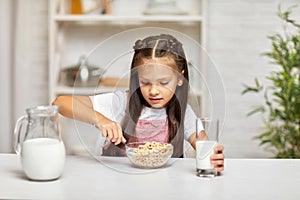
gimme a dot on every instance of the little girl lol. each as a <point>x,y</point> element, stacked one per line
<point>155,107</point>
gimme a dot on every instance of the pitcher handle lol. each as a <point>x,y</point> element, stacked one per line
<point>17,133</point>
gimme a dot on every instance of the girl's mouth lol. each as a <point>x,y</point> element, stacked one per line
<point>156,100</point>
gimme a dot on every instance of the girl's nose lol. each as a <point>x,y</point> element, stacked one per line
<point>154,90</point>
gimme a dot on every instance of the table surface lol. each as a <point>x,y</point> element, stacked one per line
<point>114,178</point>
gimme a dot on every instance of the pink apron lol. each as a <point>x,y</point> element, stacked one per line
<point>151,130</point>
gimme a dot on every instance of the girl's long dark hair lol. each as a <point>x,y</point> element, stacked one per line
<point>158,46</point>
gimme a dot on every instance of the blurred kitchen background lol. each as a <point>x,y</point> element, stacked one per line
<point>234,33</point>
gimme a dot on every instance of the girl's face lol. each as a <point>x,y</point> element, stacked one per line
<point>158,79</point>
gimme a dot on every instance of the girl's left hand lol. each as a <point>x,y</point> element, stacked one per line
<point>217,158</point>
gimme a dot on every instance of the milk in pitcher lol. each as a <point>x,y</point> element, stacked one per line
<point>43,158</point>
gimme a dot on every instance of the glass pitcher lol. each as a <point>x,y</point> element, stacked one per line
<point>38,140</point>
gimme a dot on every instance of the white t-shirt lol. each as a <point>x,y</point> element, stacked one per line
<point>113,105</point>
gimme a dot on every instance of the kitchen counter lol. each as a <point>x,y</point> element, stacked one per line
<point>114,178</point>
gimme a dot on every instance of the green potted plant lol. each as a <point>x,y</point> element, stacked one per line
<point>281,108</point>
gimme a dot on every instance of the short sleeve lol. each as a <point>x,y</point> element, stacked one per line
<point>190,122</point>
<point>112,105</point>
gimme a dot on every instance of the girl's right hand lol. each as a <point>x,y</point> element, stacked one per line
<point>111,130</point>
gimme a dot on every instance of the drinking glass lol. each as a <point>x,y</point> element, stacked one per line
<point>205,145</point>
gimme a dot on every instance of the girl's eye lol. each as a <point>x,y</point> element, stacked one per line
<point>164,83</point>
<point>144,83</point>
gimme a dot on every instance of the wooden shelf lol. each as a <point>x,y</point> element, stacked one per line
<point>66,90</point>
<point>126,19</point>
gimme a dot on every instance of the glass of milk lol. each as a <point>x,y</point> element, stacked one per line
<point>205,146</point>
<point>37,140</point>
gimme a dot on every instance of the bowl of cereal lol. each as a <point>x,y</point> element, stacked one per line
<point>149,154</point>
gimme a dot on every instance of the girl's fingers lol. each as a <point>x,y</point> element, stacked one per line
<point>219,168</point>
<point>120,134</point>
<point>219,165</point>
<point>219,156</point>
<point>110,135</point>
<point>104,133</point>
<point>217,159</point>
<point>117,134</point>
<point>113,132</point>
<point>217,162</point>
<point>219,149</point>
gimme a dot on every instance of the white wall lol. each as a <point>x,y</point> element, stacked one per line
<point>6,19</point>
<point>30,55</point>
<point>237,35</point>
<point>23,61</point>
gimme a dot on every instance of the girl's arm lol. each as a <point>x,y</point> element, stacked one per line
<point>81,108</point>
<point>192,138</point>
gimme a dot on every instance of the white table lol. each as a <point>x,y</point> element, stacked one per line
<point>114,178</point>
